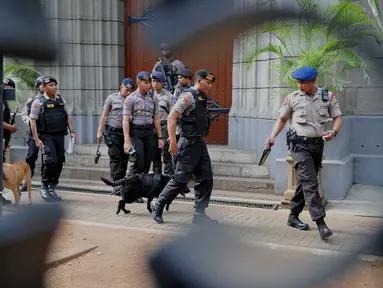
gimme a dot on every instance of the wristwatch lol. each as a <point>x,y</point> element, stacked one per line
<point>160,138</point>
<point>336,132</point>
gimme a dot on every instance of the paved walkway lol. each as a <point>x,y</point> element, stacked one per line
<point>254,225</point>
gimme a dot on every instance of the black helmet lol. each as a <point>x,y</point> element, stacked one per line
<point>39,81</point>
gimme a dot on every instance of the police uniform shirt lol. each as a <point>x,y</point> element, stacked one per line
<point>165,99</point>
<point>114,104</point>
<point>308,113</point>
<point>179,89</point>
<point>36,107</point>
<point>26,111</point>
<point>141,108</point>
<point>185,103</point>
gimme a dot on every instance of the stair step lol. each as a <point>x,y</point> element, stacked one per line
<point>219,168</point>
<point>240,184</point>
<point>217,153</point>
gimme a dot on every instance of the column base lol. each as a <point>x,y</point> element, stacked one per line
<point>289,193</point>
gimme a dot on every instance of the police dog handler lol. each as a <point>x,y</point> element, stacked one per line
<point>50,121</point>
<point>114,134</point>
<point>191,109</point>
<point>308,108</point>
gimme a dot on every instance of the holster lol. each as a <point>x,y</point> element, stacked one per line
<point>291,138</point>
<point>106,133</point>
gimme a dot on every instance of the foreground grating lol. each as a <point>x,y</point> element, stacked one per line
<point>226,202</point>
<point>230,202</point>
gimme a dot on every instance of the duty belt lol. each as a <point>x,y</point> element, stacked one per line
<point>116,130</point>
<point>193,140</point>
<point>142,127</point>
<point>309,140</point>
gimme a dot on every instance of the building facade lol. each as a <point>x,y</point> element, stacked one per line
<point>99,47</point>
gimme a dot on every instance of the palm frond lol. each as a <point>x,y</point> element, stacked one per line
<point>25,74</point>
<point>270,48</point>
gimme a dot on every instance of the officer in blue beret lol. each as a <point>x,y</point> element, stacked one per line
<point>140,120</point>
<point>113,132</point>
<point>165,105</point>
<point>308,109</point>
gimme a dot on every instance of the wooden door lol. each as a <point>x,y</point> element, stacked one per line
<point>217,58</point>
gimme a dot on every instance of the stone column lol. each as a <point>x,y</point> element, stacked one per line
<point>91,61</point>
<point>291,182</point>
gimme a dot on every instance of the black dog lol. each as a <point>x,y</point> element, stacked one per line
<point>141,185</point>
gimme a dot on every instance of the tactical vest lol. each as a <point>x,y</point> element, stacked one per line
<point>196,123</point>
<point>169,69</point>
<point>6,119</point>
<point>53,117</point>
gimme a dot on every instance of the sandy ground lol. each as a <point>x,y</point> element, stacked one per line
<point>121,260</point>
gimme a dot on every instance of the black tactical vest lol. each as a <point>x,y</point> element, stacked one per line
<point>196,123</point>
<point>6,119</point>
<point>53,117</point>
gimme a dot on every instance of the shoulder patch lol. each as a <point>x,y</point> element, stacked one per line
<point>36,105</point>
<point>286,101</point>
<point>332,95</point>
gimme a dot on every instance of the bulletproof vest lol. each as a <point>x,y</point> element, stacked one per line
<point>6,119</point>
<point>196,123</point>
<point>53,117</point>
<point>170,70</point>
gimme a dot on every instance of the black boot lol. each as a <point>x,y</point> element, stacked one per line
<point>5,201</point>
<point>200,217</point>
<point>44,191</point>
<point>157,210</point>
<point>53,194</point>
<point>324,231</point>
<point>294,222</point>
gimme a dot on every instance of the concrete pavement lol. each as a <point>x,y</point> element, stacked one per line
<point>259,226</point>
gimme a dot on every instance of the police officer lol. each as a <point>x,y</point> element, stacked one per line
<point>193,154</point>
<point>50,121</point>
<point>7,128</point>
<point>140,116</point>
<point>184,82</point>
<point>165,103</point>
<point>114,134</point>
<point>308,108</point>
<point>33,151</point>
<point>170,66</point>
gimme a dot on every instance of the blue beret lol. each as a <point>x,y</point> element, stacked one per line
<point>128,83</point>
<point>143,76</point>
<point>159,76</point>
<point>185,73</point>
<point>305,73</point>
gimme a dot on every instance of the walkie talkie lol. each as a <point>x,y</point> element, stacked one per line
<point>325,94</point>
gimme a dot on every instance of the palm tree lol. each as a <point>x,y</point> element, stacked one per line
<point>326,43</point>
<point>24,75</point>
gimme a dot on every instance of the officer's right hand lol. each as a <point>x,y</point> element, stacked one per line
<point>39,144</point>
<point>269,141</point>
<point>13,129</point>
<point>173,149</point>
<point>99,137</point>
<point>127,146</point>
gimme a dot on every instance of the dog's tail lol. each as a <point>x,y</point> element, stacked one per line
<point>112,183</point>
